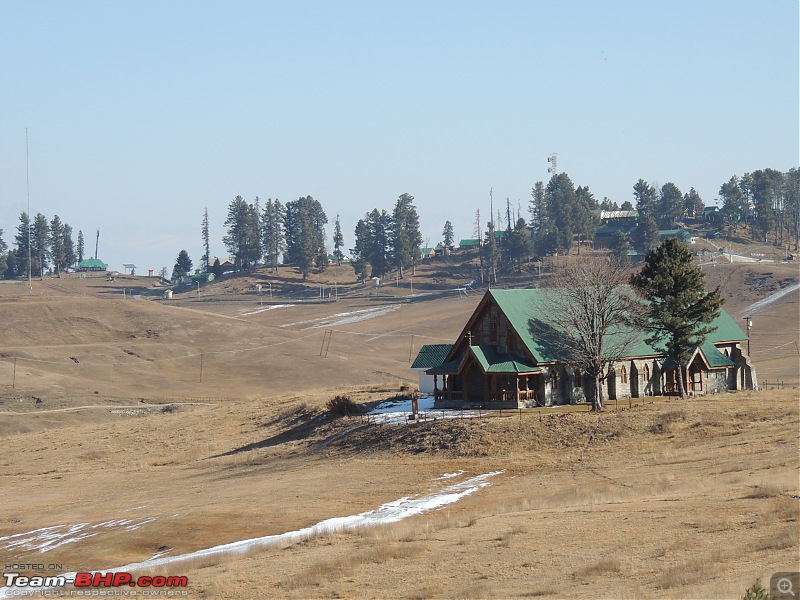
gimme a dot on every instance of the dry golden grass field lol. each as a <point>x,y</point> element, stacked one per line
<point>170,426</point>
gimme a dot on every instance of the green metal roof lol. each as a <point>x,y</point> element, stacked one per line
<point>492,361</point>
<point>431,355</point>
<point>89,263</point>
<point>523,307</point>
<point>715,358</point>
<point>447,368</point>
<point>469,242</point>
<point>727,330</point>
<point>711,354</point>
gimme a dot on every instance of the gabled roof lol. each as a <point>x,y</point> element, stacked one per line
<point>431,355</point>
<point>92,263</point>
<point>448,368</point>
<point>709,354</point>
<point>492,361</point>
<point>713,357</point>
<point>523,306</point>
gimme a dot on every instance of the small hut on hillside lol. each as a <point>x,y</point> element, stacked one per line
<point>92,264</point>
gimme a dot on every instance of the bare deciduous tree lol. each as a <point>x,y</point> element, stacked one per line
<point>592,320</point>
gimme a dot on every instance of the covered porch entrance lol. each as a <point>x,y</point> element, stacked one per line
<point>487,379</point>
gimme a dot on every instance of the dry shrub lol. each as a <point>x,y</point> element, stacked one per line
<point>505,539</point>
<point>711,524</point>
<point>343,406</point>
<point>691,572</point>
<point>291,412</point>
<point>668,422</point>
<point>425,593</point>
<point>765,491</point>
<point>785,509</point>
<point>787,538</point>
<point>605,566</point>
<point>326,572</point>
<point>476,590</point>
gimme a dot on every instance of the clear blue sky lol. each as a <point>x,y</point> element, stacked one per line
<point>141,114</point>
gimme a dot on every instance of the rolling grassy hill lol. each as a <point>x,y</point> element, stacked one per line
<point>105,417</point>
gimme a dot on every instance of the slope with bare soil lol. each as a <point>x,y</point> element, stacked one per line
<point>663,499</point>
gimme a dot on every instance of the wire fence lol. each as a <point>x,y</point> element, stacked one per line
<point>776,385</point>
<point>101,401</point>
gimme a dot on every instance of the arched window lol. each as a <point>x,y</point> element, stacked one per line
<point>578,378</point>
<point>646,373</point>
<point>554,379</point>
<point>623,375</point>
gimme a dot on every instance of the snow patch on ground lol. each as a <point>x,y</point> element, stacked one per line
<point>391,512</point>
<point>757,307</point>
<point>393,412</point>
<point>345,318</point>
<point>50,538</point>
<point>358,315</point>
<point>450,475</point>
<point>261,309</point>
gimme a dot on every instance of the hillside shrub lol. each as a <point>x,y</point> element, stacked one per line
<point>756,592</point>
<point>342,406</point>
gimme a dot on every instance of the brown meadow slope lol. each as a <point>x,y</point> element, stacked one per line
<point>104,417</point>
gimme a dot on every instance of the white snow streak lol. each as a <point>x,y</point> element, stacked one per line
<point>451,475</point>
<point>391,512</point>
<point>50,538</point>
<point>346,318</point>
<point>264,308</point>
<point>757,307</point>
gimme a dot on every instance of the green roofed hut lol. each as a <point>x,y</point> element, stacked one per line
<point>92,264</point>
<point>498,362</point>
<point>430,355</point>
<point>470,244</point>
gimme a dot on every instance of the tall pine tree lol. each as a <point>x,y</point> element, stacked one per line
<point>680,311</point>
<point>405,234</point>
<point>81,246</point>
<point>204,232</point>
<point>448,234</point>
<point>305,234</point>
<point>58,250</point>
<point>272,230</point>
<point>338,240</point>
<point>243,237</point>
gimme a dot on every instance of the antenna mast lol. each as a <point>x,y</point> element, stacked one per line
<point>28,192</point>
<point>553,160</point>
<point>96,244</point>
<point>491,209</point>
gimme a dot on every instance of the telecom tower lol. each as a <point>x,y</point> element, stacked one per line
<point>553,160</point>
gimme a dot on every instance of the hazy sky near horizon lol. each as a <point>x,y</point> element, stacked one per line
<point>142,114</point>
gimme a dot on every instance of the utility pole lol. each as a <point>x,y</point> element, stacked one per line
<point>96,244</point>
<point>749,323</point>
<point>28,192</point>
